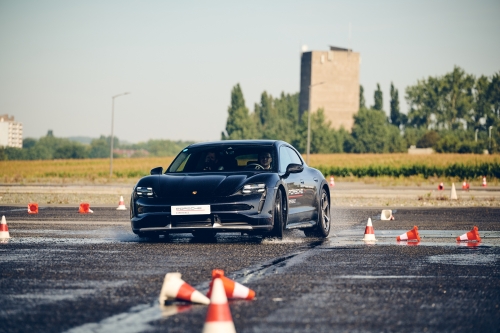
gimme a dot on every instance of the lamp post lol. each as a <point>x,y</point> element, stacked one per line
<point>112,137</point>
<point>489,128</point>
<point>309,121</point>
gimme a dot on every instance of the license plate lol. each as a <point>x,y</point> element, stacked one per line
<point>190,210</point>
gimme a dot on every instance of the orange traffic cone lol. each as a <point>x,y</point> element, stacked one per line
<point>121,204</point>
<point>441,186</point>
<point>4,229</point>
<point>465,186</point>
<point>32,208</point>
<point>369,232</point>
<point>484,182</point>
<point>175,288</point>
<point>472,235</point>
<point>332,181</point>
<point>410,235</point>
<point>219,318</point>
<point>85,208</point>
<point>232,288</point>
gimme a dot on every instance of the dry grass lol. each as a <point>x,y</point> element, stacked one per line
<point>396,160</point>
<point>96,171</point>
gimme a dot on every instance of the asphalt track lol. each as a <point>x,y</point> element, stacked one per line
<point>66,272</point>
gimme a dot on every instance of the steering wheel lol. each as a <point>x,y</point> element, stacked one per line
<point>255,166</point>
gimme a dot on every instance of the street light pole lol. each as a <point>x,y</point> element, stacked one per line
<point>112,126</point>
<point>490,136</point>
<point>309,122</point>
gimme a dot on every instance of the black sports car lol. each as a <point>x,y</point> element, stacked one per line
<point>248,186</point>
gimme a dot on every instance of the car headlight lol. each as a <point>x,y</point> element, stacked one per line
<point>253,188</point>
<point>144,192</point>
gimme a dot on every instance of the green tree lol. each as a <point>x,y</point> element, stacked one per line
<point>239,124</point>
<point>362,102</point>
<point>429,140</point>
<point>457,98</point>
<point>99,148</point>
<point>397,118</point>
<point>378,97</point>
<point>29,142</point>
<point>372,134</point>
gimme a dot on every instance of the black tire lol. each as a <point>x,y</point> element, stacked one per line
<point>322,228</point>
<point>279,215</point>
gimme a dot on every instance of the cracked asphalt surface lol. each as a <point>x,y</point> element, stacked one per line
<point>62,271</point>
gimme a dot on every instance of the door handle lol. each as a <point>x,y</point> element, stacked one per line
<point>316,180</point>
<point>302,181</point>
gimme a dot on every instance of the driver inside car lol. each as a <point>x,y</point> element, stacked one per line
<point>265,159</point>
<point>212,162</point>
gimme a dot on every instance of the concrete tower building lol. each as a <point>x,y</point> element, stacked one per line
<point>338,95</point>
<point>11,132</point>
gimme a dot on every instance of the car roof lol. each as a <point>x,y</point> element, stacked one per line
<point>265,143</point>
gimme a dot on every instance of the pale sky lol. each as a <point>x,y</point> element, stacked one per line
<point>62,61</point>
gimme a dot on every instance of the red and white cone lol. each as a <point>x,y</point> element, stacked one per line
<point>121,204</point>
<point>219,319</point>
<point>332,181</point>
<point>484,182</point>
<point>232,288</point>
<point>85,208</point>
<point>32,208</point>
<point>465,186</point>
<point>472,235</point>
<point>441,186</point>
<point>4,229</point>
<point>369,231</point>
<point>175,288</point>
<point>411,235</point>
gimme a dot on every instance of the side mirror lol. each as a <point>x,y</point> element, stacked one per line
<point>157,171</point>
<point>293,168</point>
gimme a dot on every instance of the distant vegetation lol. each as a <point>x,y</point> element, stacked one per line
<point>396,167</point>
<point>445,113</point>
<point>453,113</point>
<point>50,147</point>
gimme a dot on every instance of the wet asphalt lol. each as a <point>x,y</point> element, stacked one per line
<point>63,271</point>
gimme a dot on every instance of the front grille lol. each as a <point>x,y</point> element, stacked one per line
<point>191,221</point>
<point>231,207</point>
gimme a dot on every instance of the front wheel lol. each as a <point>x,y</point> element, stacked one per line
<point>322,228</point>
<point>279,215</point>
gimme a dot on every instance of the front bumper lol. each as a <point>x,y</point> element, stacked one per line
<point>238,213</point>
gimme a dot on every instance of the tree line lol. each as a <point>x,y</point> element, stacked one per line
<point>453,113</point>
<point>50,147</point>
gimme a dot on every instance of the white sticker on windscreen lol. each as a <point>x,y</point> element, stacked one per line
<point>190,210</point>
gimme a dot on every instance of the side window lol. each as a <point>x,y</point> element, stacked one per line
<point>284,159</point>
<point>293,156</point>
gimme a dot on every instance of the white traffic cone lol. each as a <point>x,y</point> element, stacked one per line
<point>453,195</point>
<point>332,181</point>
<point>121,204</point>
<point>484,182</point>
<point>175,288</point>
<point>386,215</point>
<point>4,229</point>
<point>369,232</point>
<point>219,319</point>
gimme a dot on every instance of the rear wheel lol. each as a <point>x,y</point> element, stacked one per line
<point>279,215</point>
<point>322,228</point>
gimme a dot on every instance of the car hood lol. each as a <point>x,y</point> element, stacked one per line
<point>205,185</point>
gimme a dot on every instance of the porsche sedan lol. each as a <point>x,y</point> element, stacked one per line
<point>250,186</point>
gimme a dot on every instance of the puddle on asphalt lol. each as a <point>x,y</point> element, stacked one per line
<point>466,259</point>
<point>428,238</point>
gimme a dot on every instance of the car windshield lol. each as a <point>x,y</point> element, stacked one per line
<point>223,159</point>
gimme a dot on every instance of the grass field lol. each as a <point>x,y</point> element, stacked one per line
<point>386,168</point>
